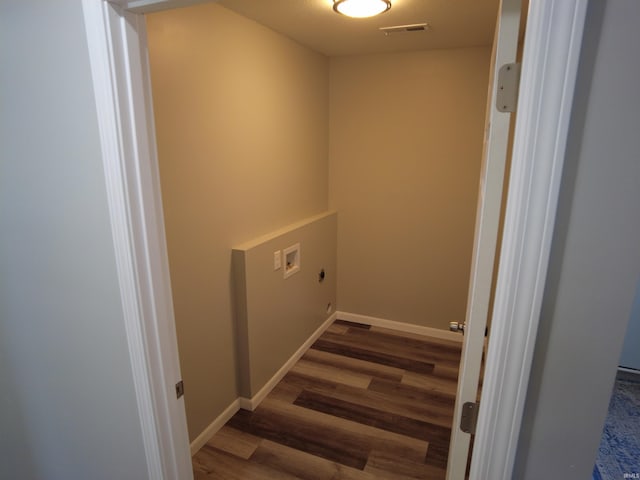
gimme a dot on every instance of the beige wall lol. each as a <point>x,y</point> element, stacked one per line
<point>294,307</point>
<point>242,127</point>
<point>405,149</point>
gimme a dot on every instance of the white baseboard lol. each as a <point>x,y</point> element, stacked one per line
<point>629,370</point>
<point>214,426</point>
<point>253,402</point>
<point>400,326</point>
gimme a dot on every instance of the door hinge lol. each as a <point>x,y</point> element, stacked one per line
<point>508,87</point>
<point>179,389</point>
<point>469,417</point>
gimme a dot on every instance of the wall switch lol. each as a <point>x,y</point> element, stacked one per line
<point>277,260</point>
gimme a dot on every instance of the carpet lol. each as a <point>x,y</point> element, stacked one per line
<point>619,452</point>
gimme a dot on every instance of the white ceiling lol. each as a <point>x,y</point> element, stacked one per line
<point>313,23</point>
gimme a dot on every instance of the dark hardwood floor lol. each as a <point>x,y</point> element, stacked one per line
<point>363,403</point>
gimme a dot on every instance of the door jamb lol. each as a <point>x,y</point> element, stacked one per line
<point>550,63</point>
<point>486,230</point>
<point>117,51</point>
<point>116,40</point>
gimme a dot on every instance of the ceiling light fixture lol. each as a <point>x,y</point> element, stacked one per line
<point>361,8</point>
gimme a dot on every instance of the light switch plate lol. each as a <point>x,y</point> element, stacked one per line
<point>277,260</point>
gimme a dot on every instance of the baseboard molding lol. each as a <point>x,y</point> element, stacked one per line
<point>253,402</point>
<point>629,370</point>
<point>214,426</point>
<point>400,326</point>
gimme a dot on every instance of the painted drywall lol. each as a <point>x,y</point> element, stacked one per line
<point>67,403</point>
<point>630,357</point>
<point>295,306</point>
<point>242,125</point>
<point>405,151</point>
<point>595,259</point>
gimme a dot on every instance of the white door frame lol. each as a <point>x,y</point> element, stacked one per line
<point>118,55</point>
<point>117,49</point>
<point>550,62</point>
<point>492,174</point>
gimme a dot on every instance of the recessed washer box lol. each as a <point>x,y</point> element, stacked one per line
<point>291,260</point>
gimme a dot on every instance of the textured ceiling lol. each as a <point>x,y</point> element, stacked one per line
<point>313,23</point>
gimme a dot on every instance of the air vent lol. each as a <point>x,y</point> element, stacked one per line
<point>416,27</point>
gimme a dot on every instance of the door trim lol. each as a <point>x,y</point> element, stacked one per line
<point>492,176</point>
<point>550,62</point>
<point>117,51</point>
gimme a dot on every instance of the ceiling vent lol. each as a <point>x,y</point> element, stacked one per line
<point>415,27</point>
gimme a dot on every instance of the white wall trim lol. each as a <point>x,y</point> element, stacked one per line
<point>117,54</point>
<point>629,370</point>
<point>552,49</point>
<point>401,326</point>
<point>253,402</point>
<point>112,153</point>
<point>214,426</point>
<point>146,6</point>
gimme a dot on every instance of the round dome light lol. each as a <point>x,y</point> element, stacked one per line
<point>361,8</point>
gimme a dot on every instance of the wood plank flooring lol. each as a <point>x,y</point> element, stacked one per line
<point>364,403</point>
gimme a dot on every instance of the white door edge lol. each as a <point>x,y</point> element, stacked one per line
<point>494,160</point>
<point>554,34</point>
<point>117,51</point>
<point>550,62</point>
